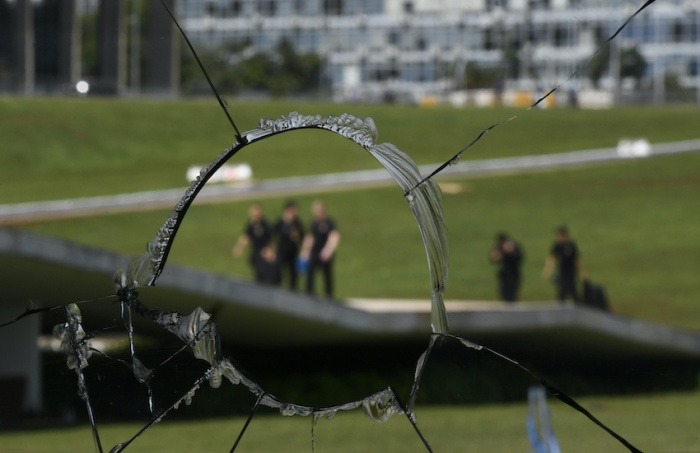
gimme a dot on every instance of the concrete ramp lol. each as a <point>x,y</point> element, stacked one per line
<point>51,271</point>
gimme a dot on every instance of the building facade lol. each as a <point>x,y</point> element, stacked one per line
<point>415,48</point>
<point>370,49</point>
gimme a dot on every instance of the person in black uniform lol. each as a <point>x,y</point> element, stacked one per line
<point>319,248</point>
<point>268,268</point>
<point>290,234</point>
<point>508,255</point>
<point>566,256</point>
<point>258,233</point>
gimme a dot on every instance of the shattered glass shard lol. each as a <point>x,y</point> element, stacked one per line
<point>381,407</point>
<point>73,342</point>
<point>143,374</point>
<point>196,330</point>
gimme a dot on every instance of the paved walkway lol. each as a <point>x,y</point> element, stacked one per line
<point>163,199</point>
<point>452,306</point>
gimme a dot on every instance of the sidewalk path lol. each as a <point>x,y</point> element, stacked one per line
<point>163,199</point>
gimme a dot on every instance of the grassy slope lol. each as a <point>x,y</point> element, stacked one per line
<point>635,221</point>
<point>53,148</point>
<point>483,428</point>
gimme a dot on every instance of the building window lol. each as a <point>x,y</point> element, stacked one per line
<point>333,7</point>
<point>235,7</point>
<point>268,8</point>
<point>493,4</point>
<point>212,9</point>
<point>539,4</point>
<point>393,37</point>
<point>678,32</point>
<point>560,37</point>
<point>490,37</point>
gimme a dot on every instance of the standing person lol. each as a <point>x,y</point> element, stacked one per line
<point>258,233</point>
<point>319,248</point>
<point>268,267</point>
<point>290,235</point>
<point>566,256</point>
<point>508,255</point>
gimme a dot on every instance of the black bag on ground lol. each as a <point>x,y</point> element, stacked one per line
<point>594,296</point>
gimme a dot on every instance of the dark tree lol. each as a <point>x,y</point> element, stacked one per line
<point>632,64</point>
<point>233,69</point>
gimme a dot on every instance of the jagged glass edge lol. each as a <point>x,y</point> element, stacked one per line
<point>424,200</point>
<point>199,332</point>
<point>77,348</point>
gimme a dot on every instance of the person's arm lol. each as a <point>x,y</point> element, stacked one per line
<point>581,271</point>
<point>302,232</point>
<point>306,247</point>
<point>548,266</point>
<point>331,244</point>
<point>241,244</point>
<point>495,255</point>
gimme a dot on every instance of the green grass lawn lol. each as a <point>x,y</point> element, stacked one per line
<point>636,223</point>
<point>55,148</point>
<point>659,423</point>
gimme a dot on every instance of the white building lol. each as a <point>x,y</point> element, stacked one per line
<point>422,47</point>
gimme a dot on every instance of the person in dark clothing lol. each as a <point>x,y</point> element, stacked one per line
<point>509,256</point>
<point>566,256</point>
<point>290,235</point>
<point>258,233</point>
<point>268,267</point>
<point>319,248</point>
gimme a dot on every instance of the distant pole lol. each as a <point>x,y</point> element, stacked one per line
<point>615,53</point>
<point>697,58</point>
<point>460,72</point>
<point>659,67</point>
<point>135,48</point>
<point>25,56</point>
<point>69,66</point>
<point>615,70</point>
<point>113,45</point>
<point>163,76</point>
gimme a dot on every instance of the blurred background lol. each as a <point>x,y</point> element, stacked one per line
<point>461,52</point>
